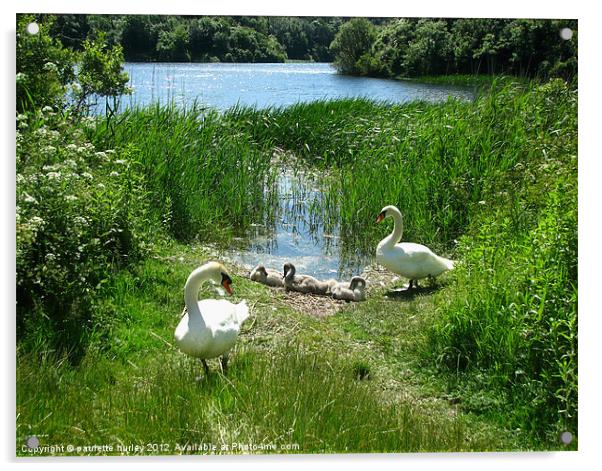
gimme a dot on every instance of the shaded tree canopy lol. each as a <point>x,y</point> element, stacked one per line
<point>388,47</point>
<point>418,47</point>
<point>205,38</point>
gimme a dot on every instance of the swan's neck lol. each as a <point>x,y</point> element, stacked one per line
<point>395,236</point>
<point>191,291</point>
<point>290,274</point>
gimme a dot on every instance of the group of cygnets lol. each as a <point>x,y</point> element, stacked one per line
<point>354,290</point>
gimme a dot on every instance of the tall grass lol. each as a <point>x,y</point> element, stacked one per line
<point>287,402</point>
<point>514,313</point>
<point>437,162</point>
<point>203,179</point>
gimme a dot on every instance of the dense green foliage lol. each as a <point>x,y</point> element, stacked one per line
<point>205,38</point>
<point>100,73</point>
<point>49,74</point>
<point>392,47</point>
<point>416,47</point>
<point>75,203</point>
<point>80,215</point>
<point>352,44</point>
<point>44,68</point>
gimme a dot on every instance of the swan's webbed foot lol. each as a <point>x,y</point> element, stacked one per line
<point>206,366</point>
<point>224,364</point>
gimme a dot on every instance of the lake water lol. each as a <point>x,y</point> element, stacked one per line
<point>222,85</point>
<point>297,234</point>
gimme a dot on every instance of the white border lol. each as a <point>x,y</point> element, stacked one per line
<point>456,8</point>
<point>589,198</point>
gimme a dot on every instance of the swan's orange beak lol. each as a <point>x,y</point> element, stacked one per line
<point>380,217</point>
<point>227,287</point>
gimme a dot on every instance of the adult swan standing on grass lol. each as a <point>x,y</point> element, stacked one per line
<point>413,261</point>
<point>209,328</point>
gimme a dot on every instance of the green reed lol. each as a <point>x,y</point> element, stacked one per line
<point>202,179</point>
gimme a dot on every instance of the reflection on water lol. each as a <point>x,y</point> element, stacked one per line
<point>300,233</point>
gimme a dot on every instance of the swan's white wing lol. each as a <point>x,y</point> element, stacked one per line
<point>220,312</point>
<point>409,260</point>
<point>216,334</point>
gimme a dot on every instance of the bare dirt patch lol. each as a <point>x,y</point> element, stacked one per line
<point>313,305</point>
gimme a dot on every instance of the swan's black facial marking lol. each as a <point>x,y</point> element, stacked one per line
<point>225,277</point>
<point>226,282</point>
<point>381,216</point>
<point>287,268</point>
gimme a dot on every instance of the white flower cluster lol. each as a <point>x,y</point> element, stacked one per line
<point>27,231</point>
<point>80,221</point>
<point>50,67</point>
<point>89,122</point>
<point>27,198</point>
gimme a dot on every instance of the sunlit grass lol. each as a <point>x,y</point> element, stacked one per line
<point>312,401</point>
<point>293,380</point>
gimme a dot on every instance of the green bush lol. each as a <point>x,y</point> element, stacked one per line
<point>100,73</point>
<point>353,40</point>
<point>47,72</point>
<point>80,215</point>
<point>412,47</point>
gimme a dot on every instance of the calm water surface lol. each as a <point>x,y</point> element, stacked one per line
<point>222,86</point>
<point>298,233</point>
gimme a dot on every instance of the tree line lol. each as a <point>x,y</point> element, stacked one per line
<point>149,38</point>
<point>411,47</point>
<point>386,47</point>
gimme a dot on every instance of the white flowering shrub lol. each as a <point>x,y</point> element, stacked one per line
<point>75,223</point>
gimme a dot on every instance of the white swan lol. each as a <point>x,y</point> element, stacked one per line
<point>209,328</point>
<point>305,283</point>
<point>413,261</point>
<point>266,276</point>
<point>354,291</point>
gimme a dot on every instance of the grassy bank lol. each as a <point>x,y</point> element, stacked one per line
<point>479,82</point>
<point>337,384</point>
<point>486,362</point>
